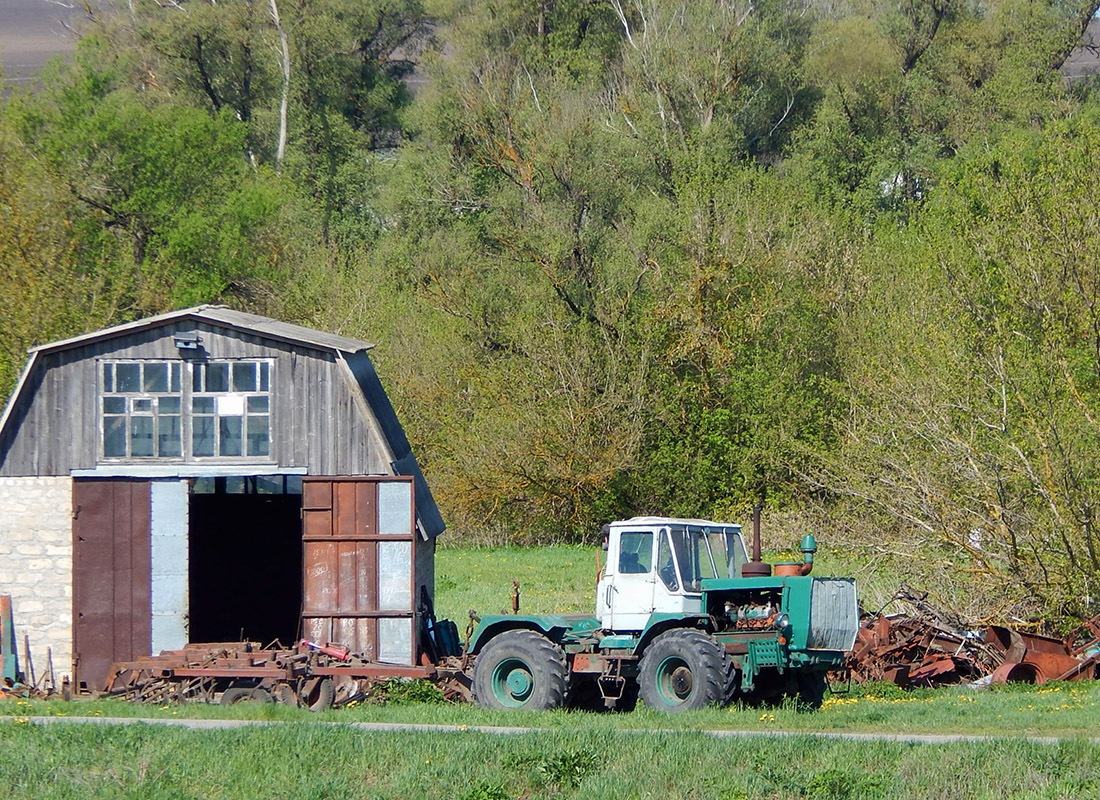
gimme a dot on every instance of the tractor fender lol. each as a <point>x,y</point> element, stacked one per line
<point>552,627</point>
<point>659,623</point>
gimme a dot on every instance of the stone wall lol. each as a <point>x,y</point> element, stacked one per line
<point>36,567</point>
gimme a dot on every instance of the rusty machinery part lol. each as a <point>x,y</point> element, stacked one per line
<point>1018,673</point>
<point>317,694</point>
<point>933,647</point>
<point>245,694</point>
<point>284,694</point>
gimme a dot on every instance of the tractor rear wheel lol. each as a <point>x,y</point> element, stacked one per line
<point>520,669</point>
<point>684,669</point>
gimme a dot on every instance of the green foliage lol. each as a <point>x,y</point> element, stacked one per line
<point>404,690</point>
<point>622,257</point>
<point>566,769</point>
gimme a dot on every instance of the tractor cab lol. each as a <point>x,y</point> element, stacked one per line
<point>656,565</point>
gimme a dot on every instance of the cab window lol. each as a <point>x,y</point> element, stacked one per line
<point>635,553</point>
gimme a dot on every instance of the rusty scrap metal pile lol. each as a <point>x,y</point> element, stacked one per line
<point>931,647</point>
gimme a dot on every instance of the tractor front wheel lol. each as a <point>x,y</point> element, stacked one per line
<point>684,669</point>
<point>520,669</point>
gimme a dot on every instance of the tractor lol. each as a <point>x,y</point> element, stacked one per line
<point>683,620</point>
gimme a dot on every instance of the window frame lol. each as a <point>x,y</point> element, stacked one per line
<point>183,375</point>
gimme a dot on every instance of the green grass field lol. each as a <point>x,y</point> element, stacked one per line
<point>309,760</point>
<point>641,754</point>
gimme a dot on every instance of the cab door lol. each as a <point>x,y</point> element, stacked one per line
<point>625,594</point>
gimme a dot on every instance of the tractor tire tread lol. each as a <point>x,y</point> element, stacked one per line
<point>545,659</point>
<point>713,672</point>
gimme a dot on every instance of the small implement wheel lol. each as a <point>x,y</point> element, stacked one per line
<point>245,694</point>
<point>520,669</point>
<point>285,695</point>
<point>317,694</point>
<point>684,669</point>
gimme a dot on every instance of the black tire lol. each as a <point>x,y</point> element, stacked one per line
<point>521,669</point>
<point>684,669</point>
<point>811,690</point>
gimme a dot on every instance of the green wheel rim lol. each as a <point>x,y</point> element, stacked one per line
<point>512,682</point>
<point>675,681</point>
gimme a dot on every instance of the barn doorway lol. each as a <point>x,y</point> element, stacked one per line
<point>245,559</point>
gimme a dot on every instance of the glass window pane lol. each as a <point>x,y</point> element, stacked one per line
<point>244,377</point>
<point>217,377</point>
<point>168,405</point>
<point>202,405</point>
<point>128,377</point>
<point>229,430</point>
<point>395,576</point>
<point>395,508</point>
<point>202,436</point>
<point>265,377</point>
<point>141,436</point>
<point>257,405</point>
<point>259,443</point>
<point>269,484</point>
<point>721,557</point>
<point>114,437</point>
<point>636,552</point>
<point>156,377</point>
<point>395,640</point>
<point>293,484</point>
<point>114,405</point>
<point>666,568</point>
<point>108,377</point>
<point>143,405</point>
<point>168,436</point>
<point>196,377</point>
<point>175,369</point>
<point>203,486</point>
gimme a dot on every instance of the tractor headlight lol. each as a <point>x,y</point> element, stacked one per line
<point>782,622</point>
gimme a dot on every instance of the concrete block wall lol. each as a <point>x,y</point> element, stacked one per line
<point>36,567</point>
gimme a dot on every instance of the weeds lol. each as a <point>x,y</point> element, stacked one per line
<point>402,691</point>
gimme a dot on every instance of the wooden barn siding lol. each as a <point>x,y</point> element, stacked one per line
<point>316,422</point>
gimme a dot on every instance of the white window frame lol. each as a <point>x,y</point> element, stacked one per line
<point>250,402</point>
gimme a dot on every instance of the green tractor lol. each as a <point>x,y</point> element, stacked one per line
<point>683,620</point>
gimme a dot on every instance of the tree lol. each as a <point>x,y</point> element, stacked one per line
<point>977,408</point>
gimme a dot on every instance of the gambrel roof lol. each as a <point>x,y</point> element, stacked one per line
<point>352,365</point>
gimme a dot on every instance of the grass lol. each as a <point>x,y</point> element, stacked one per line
<point>315,761</point>
<point>552,579</point>
<point>642,754</point>
<point>1055,710</point>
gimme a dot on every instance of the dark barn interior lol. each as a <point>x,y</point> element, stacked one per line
<point>245,559</point>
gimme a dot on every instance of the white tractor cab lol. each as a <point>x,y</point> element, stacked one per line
<point>655,565</point>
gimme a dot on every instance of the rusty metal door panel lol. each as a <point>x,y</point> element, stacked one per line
<point>340,570</point>
<point>112,585</point>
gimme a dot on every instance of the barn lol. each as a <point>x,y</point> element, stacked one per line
<point>209,475</point>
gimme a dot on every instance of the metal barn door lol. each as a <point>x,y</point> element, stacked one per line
<point>358,536</point>
<point>112,605</point>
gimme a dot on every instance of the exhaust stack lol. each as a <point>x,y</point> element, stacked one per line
<point>756,568</point>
